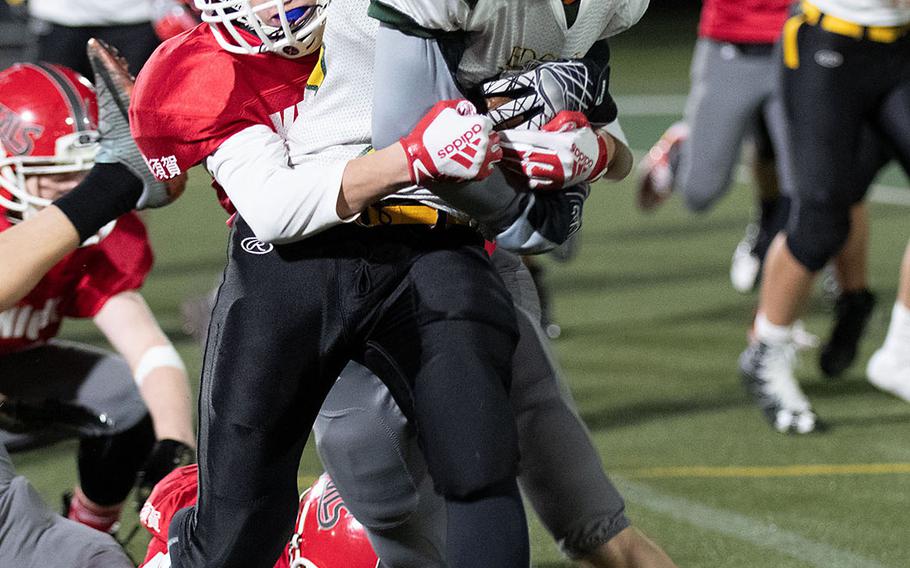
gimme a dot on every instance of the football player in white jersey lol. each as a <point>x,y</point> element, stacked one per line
<point>846,64</point>
<point>214,164</point>
<point>379,471</point>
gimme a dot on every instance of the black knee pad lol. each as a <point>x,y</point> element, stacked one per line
<point>816,233</point>
<point>108,464</point>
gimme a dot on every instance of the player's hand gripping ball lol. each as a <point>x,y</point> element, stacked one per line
<point>451,143</point>
<point>564,153</point>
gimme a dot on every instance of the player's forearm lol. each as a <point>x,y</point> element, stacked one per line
<point>280,203</point>
<point>30,249</point>
<point>620,164</point>
<point>166,393</point>
<point>369,178</point>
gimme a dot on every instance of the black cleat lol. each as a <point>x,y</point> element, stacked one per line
<point>851,314</point>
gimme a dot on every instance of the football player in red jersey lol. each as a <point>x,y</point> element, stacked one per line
<point>140,399</point>
<point>270,358</point>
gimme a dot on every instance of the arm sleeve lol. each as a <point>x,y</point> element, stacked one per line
<point>280,203</point>
<point>420,64</point>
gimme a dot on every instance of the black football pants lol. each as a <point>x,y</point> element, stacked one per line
<point>423,308</point>
<point>842,97</point>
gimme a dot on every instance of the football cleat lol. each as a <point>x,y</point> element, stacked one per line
<point>655,173</point>
<point>890,372</point>
<point>851,314</point>
<point>104,519</point>
<point>113,87</point>
<point>745,265</point>
<point>766,371</point>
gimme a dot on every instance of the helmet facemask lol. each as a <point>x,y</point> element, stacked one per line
<point>75,153</point>
<point>238,24</point>
<point>48,127</point>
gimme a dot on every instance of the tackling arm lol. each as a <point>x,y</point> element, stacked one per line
<point>29,249</point>
<point>282,203</point>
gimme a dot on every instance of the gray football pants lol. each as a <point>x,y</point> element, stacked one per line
<point>94,378</point>
<point>32,536</point>
<point>371,452</point>
<point>731,91</point>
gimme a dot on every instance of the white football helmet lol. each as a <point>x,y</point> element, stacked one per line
<point>248,27</point>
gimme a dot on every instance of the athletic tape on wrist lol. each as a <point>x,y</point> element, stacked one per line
<point>155,358</point>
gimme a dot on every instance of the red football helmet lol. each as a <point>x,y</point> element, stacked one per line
<point>326,534</point>
<point>48,125</point>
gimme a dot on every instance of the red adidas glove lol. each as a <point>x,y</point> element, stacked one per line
<point>451,143</point>
<point>566,152</point>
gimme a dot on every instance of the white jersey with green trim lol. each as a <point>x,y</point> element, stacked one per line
<point>506,34</point>
<point>334,119</point>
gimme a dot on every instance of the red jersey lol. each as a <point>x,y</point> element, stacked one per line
<point>174,492</point>
<point>79,285</point>
<point>743,21</point>
<point>192,95</point>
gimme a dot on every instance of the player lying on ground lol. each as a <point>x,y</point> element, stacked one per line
<point>140,396</point>
<point>32,533</point>
<point>117,183</point>
<point>325,534</point>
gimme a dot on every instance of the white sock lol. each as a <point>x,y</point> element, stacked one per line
<point>767,332</point>
<point>898,338</point>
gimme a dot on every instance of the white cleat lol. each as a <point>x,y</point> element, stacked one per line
<point>766,371</point>
<point>890,373</point>
<point>745,267</point>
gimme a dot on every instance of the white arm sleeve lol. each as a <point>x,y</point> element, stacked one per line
<point>280,203</point>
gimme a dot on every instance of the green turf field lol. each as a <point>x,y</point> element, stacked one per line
<point>652,331</point>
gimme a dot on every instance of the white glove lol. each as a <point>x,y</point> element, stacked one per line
<point>566,152</point>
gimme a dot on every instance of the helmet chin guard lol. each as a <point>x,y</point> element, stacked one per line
<point>245,29</point>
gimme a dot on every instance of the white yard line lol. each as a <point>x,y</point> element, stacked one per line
<point>756,532</point>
